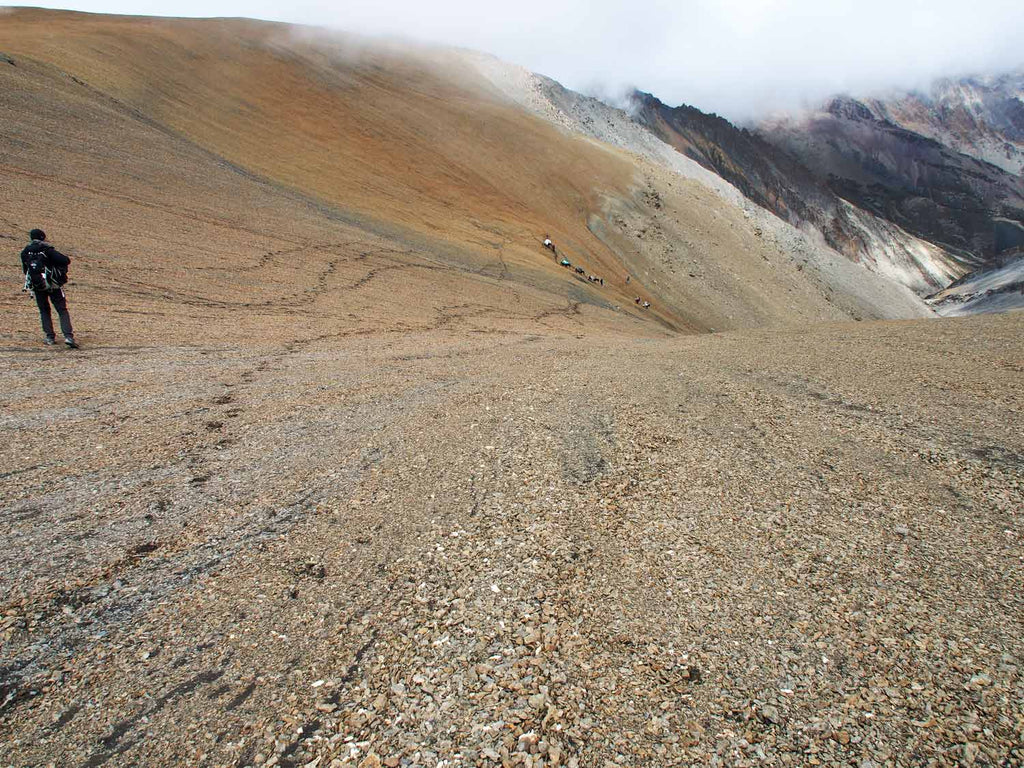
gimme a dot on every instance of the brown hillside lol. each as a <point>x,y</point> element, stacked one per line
<point>192,148</point>
<point>116,187</point>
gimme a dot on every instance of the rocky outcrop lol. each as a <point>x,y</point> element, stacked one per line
<point>937,193</point>
<point>998,288</point>
<point>778,180</point>
<point>982,117</point>
<point>903,203</point>
<point>769,177</point>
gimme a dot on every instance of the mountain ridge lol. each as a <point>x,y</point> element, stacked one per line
<point>981,116</point>
<point>901,202</point>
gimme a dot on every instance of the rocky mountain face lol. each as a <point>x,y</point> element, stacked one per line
<point>967,206</point>
<point>995,288</point>
<point>902,202</point>
<point>982,117</point>
<point>771,178</point>
<point>674,246</point>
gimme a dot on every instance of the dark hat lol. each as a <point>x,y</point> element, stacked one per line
<point>37,234</point>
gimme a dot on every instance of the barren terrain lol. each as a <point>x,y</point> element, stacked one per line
<point>437,546</point>
<point>339,478</point>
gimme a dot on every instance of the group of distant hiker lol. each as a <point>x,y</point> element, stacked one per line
<point>46,273</point>
<point>568,264</point>
<point>592,278</point>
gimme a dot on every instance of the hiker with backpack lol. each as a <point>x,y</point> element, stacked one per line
<point>46,272</point>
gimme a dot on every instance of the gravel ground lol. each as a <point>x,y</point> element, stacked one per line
<point>440,548</point>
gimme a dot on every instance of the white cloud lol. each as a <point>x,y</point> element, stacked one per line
<point>735,57</point>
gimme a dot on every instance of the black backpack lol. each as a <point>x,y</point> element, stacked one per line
<point>41,276</point>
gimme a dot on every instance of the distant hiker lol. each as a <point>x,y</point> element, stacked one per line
<point>549,245</point>
<point>46,271</point>
<point>580,271</point>
<point>627,279</point>
<point>636,300</point>
<point>565,263</point>
<point>647,305</point>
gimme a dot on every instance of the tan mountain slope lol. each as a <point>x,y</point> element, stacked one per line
<point>315,141</point>
<point>162,227</point>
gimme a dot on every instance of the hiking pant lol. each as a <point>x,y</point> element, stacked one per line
<point>60,303</point>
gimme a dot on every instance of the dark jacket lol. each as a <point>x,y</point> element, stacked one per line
<point>51,256</point>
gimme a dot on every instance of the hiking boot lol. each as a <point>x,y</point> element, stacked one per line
<point>49,341</point>
<point>71,343</point>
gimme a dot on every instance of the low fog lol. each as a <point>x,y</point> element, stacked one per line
<point>743,59</point>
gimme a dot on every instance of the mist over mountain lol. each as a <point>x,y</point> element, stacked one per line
<point>743,59</point>
<point>981,116</point>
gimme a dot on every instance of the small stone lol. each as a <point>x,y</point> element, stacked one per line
<point>370,761</point>
<point>980,681</point>
<point>527,742</point>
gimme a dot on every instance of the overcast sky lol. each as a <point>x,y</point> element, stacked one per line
<point>740,58</point>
